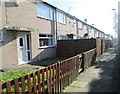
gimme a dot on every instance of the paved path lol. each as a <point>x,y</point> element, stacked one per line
<point>97,78</point>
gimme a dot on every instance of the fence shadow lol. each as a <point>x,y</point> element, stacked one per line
<point>107,80</point>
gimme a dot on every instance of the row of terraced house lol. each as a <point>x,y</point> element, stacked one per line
<point>30,31</point>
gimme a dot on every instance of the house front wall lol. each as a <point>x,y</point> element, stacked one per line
<point>40,53</point>
<point>68,28</point>
<point>25,16</point>
<point>0,14</point>
<point>96,33</point>
<point>0,55</point>
<point>9,49</point>
<point>0,41</point>
<point>91,33</point>
<point>82,32</point>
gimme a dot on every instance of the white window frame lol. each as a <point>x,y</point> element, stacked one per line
<point>74,37</point>
<point>90,29</point>
<point>74,20</point>
<point>80,25</point>
<point>1,35</point>
<point>50,12</point>
<point>61,37</point>
<point>47,36</point>
<point>58,17</point>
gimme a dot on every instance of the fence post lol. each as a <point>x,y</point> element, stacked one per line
<point>82,65</point>
<point>39,83</point>
<point>0,88</point>
<point>8,87</point>
<point>53,80</point>
<point>50,81</point>
<point>58,77</point>
<point>43,82</point>
<point>34,83</point>
<point>16,86</point>
<point>29,83</point>
<point>23,84</point>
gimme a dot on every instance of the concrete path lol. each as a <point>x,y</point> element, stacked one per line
<point>98,78</point>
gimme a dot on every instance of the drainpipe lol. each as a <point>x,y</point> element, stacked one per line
<point>77,28</point>
<point>6,18</point>
<point>55,26</point>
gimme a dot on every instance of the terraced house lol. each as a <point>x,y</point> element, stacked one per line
<point>30,31</point>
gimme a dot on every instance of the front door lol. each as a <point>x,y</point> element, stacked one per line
<point>23,47</point>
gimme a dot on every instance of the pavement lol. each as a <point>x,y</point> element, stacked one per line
<point>97,78</point>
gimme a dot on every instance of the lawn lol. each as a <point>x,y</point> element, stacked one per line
<point>47,62</point>
<point>12,74</point>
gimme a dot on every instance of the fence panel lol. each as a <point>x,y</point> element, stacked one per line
<point>88,58</point>
<point>74,47</point>
<point>50,79</point>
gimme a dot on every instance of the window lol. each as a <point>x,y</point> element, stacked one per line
<point>1,35</point>
<point>92,30</point>
<point>74,37</point>
<point>44,11</point>
<point>74,20</point>
<point>45,40</point>
<point>80,25</point>
<point>21,42</point>
<point>61,37</point>
<point>61,18</point>
<point>89,29</point>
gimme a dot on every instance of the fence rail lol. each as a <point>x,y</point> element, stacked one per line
<point>50,79</point>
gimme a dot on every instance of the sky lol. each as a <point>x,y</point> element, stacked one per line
<point>97,12</point>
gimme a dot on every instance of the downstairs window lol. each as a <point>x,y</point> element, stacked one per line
<point>46,40</point>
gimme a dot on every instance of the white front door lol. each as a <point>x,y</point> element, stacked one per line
<point>23,47</point>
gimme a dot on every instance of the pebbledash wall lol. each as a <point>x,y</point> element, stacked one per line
<point>44,30</point>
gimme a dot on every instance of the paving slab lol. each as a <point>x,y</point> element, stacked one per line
<point>76,89</point>
<point>79,84</point>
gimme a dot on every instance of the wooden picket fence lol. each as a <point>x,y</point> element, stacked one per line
<point>50,79</point>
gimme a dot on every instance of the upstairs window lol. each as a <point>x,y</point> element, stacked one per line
<point>92,30</point>
<point>89,29</point>
<point>45,40</point>
<point>80,25</point>
<point>44,11</point>
<point>74,20</point>
<point>61,17</point>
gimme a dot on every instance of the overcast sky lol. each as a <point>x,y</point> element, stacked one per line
<point>97,12</point>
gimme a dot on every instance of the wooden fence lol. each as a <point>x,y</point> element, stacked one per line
<point>73,47</point>
<point>108,43</point>
<point>50,79</point>
<point>89,58</point>
<point>99,46</point>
